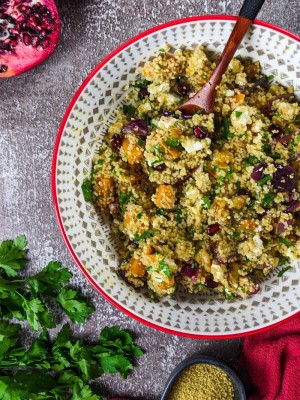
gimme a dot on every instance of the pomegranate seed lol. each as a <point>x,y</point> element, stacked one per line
<point>45,43</point>
<point>35,42</point>
<point>116,141</point>
<point>13,31</point>
<point>213,229</point>
<point>26,39</point>
<point>160,167</point>
<point>24,9</point>
<point>32,26</point>
<point>20,19</point>
<point>3,68</point>
<point>211,284</point>
<point>143,92</point>
<point>13,43</point>
<point>200,133</point>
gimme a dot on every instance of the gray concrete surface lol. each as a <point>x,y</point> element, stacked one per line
<point>31,108</point>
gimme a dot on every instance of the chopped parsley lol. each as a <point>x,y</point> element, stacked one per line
<point>265,135</point>
<point>161,211</point>
<point>159,152</point>
<point>139,215</point>
<point>238,113</point>
<point>141,141</point>
<point>264,180</point>
<point>251,204</point>
<point>276,156</point>
<point>268,199</point>
<point>283,261</point>
<point>172,142</point>
<point>190,230</point>
<point>87,188</point>
<point>228,295</point>
<point>129,110</point>
<point>226,128</point>
<point>205,202</point>
<point>140,83</point>
<point>283,271</point>
<point>162,50</point>
<point>270,78</point>
<point>160,66</point>
<point>178,216</point>
<point>145,235</point>
<point>165,268</point>
<point>154,126</point>
<point>201,286</point>
<point>235,235</point>
<point>124,199</point>
<point>266,148</point>
<point>286,242</point>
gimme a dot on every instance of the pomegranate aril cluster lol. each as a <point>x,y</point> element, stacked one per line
<point>31,25</point>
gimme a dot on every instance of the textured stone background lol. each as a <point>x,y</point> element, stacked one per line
<point>31,108</point>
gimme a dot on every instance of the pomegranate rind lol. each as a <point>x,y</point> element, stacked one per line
<point>24,58</point>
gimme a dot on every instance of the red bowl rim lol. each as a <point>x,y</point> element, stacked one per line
<point>54,189</point>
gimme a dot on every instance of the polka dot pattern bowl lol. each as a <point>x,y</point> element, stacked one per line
<point>87,232</point>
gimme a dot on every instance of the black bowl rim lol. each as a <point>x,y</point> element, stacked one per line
<point>203,360</point>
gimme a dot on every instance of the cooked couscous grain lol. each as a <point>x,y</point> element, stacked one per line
<point>202,201</point>
<point>202,382</point>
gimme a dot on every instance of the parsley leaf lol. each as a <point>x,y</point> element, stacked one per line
<point>124,199</point>
<point>286,242</point>
<point>226,128</point>
<point>129,110</point>
<point>12,255</point>
<point>268,198</point>
<point>178,216</point>
<point>172,142</point>
<point>205,202</point>
<point>26,299</point>
<point>283,271</point>
<point>163,266</point>
<point>145,235</point>
<point>238,113</point>
<point>264,180</point>
<point>87,188</point>
<point>139,215</point>
<point>50,278</point>
<point>51,369</point>
<point>73,305</point>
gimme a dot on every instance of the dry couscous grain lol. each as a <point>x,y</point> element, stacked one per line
<point>202,382</point>
<point>202,201</point>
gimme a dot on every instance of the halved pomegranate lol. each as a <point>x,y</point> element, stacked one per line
<point>29,32</point>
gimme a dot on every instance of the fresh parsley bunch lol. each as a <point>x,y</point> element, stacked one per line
<point>26,299</point>
<point>62,368</point>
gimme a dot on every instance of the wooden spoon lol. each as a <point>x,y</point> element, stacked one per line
<point>205,98</point>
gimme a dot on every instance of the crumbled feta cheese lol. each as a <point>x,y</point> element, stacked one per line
<point>192,144</point>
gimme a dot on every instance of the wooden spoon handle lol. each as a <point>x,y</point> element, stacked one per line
<point>239,30</point>
<point>248,12</point>
<point>250,8</point>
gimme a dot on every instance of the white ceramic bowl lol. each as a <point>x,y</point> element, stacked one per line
<point>87,233</point>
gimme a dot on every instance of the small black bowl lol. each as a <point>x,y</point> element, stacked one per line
<point>238,388</point>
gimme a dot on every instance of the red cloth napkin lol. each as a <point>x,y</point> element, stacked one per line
<point>272,359</point>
